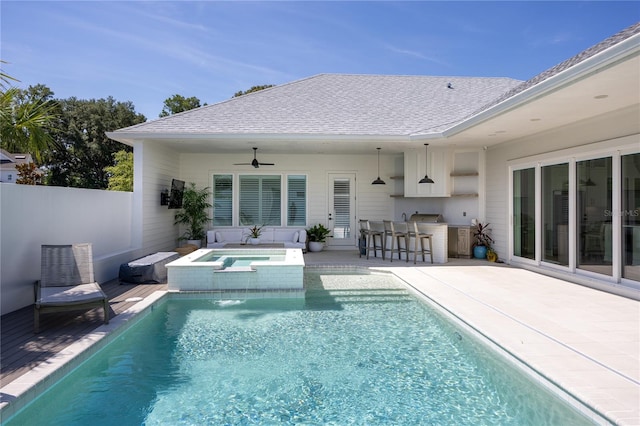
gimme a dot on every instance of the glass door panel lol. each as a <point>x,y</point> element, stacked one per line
<point>524,213</point>
<point>341,209</point>
<point>631,217</point>
<point>555,214</point>
<point>594,207</point>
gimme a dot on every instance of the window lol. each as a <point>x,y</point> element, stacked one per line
<point>260,200</point>
<point>296,200</point>
<point>222,200</point>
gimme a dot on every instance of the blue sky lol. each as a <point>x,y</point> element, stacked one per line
<point>145,52</point>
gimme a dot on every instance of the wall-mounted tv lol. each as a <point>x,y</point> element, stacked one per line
<point>175,196</point>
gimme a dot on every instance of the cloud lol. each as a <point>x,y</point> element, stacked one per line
<point>415,54</point>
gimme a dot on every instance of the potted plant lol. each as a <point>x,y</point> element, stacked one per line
<point>254,234</point>
<point>317,236</point>
<point>482,241</point>
<point>194,214</point>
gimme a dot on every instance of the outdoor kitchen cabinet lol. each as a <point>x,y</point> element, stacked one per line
<point>460,241</point>
<point>439,169</point>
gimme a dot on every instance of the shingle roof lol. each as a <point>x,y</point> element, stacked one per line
<point>339,104</point>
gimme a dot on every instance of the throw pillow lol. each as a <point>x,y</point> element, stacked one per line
<point>296,235</point>
<point>219,237</point>
<point>303,236</point>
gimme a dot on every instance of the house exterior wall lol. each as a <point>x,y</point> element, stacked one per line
<point>8,175</point>
<point>604,134</point>
<point>373,202</point>
<point>35,215</point>
<point>154,167</point>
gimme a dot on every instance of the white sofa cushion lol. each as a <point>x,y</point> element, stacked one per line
<point>290,237</point>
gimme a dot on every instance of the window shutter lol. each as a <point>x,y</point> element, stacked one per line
<point>222,200</point>
<point>296,200</point>
<point>260,199</point>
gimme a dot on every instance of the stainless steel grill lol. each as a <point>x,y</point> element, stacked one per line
<point>427,217</point>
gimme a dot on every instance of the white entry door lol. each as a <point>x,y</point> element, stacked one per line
<point>341,215</point>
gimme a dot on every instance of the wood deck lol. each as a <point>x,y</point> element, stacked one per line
<point>21,349</point>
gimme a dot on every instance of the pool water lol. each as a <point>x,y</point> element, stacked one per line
<point>357,350</point>
<point>229,261</point>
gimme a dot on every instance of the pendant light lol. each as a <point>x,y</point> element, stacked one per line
<point>378,181</point>
<point>426,178</point>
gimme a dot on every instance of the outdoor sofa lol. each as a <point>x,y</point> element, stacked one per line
<point>290,237</point>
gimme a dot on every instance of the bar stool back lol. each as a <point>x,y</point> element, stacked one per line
<point>396,236</point>
<point>414,232</point>
<point>370,234</point>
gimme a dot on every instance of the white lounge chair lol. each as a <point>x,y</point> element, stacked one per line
<point>67,283</point>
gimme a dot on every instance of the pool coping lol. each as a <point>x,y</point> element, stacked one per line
<point>19,393</point>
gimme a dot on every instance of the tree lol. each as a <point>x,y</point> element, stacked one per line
<point>121,173</point>
<point>82,150</point>
<point>253,89</point>
<point>178,103</point>
<point>26,119</point>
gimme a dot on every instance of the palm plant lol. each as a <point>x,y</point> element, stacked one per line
<point>24,125</point>
<point>194,212</point>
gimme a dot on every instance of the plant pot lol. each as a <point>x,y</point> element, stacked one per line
<point>197,243</point>
<point>315,246</point>
<point>254,241</point>
<point>480,252</point>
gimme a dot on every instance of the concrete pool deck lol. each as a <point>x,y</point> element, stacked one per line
<point>586,341</point>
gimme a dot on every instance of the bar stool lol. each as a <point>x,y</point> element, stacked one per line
<point>370,235</point>
<point>414,232</point>
<point>396,236</point>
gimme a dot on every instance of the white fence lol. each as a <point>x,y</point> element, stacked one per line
<point>34,215</point>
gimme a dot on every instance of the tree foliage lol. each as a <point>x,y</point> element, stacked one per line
<point>26,119</point>
<point>28,174</point>
<point>82,150</point>
<point>178,103</point>
<point>120,175</point>
<point>253,89</point>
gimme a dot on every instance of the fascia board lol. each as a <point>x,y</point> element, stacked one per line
<point>130,137</point>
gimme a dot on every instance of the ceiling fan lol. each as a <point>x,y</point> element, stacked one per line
<point>255,163</point>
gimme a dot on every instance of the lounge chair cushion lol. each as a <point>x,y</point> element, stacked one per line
<point>68,295</point>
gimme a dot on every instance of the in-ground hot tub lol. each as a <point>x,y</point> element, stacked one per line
<point>237,269</point>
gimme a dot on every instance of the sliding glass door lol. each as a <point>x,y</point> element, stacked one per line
<point>555,214</point>
<point>594,215</point>
<point>524,213</point>
<point>631,216</point>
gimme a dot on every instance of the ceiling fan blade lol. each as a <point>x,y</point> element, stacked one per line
<point>255,163</point>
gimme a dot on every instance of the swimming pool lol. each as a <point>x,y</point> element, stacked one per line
<point>361,350</point>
